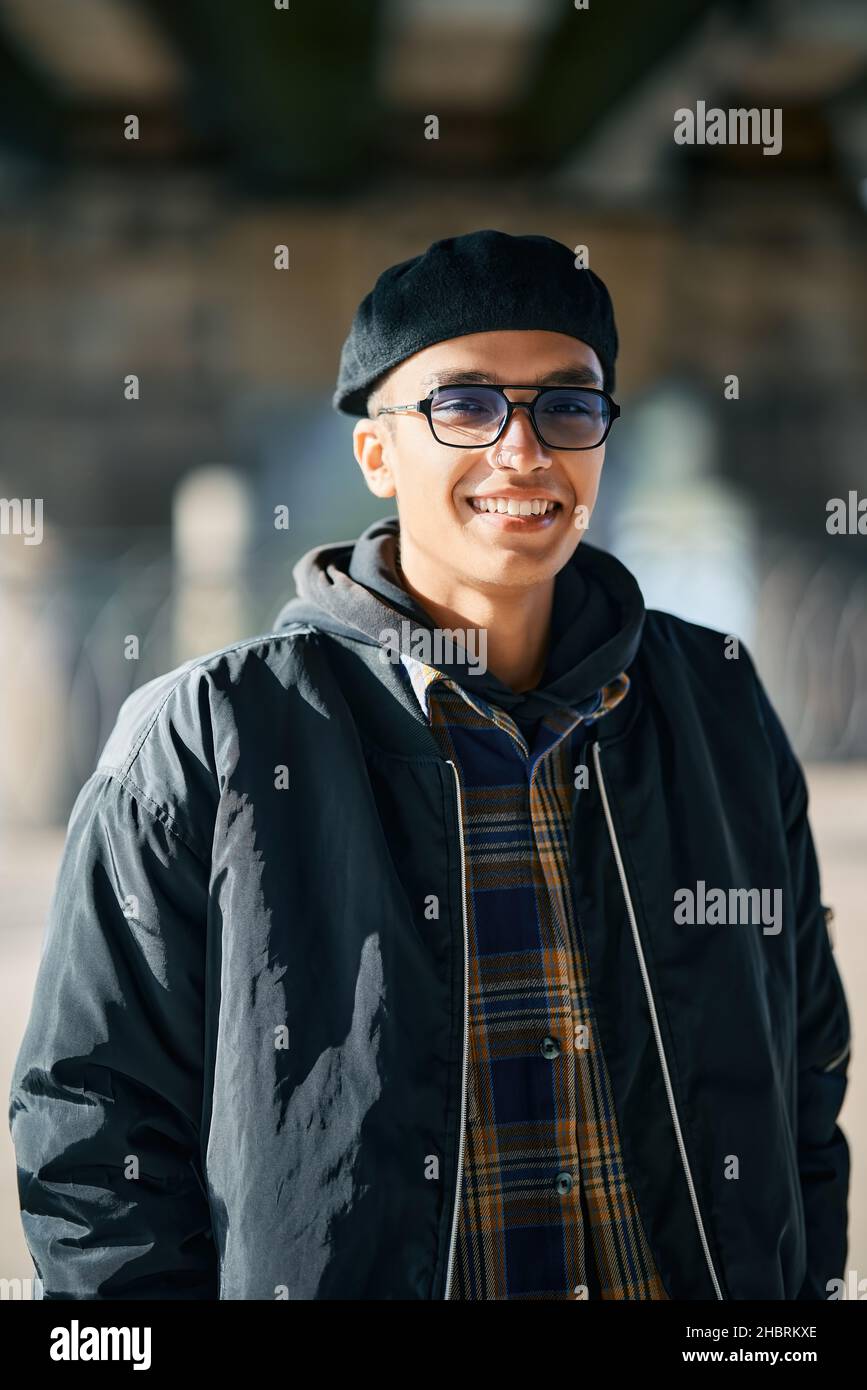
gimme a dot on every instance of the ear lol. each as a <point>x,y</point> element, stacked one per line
<point>371,448</point>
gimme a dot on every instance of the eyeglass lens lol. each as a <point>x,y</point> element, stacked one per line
<point>566,417</point>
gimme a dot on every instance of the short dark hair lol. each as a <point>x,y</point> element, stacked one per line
<point>376,397</point>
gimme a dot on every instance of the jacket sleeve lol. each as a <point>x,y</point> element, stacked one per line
<point>823,1042</point>
<point>106,1096</point>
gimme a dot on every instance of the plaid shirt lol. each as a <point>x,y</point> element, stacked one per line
<point>546,1209</point>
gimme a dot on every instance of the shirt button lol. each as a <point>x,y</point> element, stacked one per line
<point>549,1047</point>
<point>564,1183</point>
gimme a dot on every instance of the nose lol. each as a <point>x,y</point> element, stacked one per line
<point>518,447</point>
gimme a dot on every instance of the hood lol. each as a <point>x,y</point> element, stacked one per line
<point>353,589</point>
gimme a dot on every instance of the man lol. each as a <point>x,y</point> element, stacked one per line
<point>423,947</point>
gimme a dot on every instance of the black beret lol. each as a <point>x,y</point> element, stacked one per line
<point>476,283</point>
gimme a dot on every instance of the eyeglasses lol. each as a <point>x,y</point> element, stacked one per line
<point>471,417</point>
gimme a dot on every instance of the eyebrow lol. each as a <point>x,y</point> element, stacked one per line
<point>569,374</point>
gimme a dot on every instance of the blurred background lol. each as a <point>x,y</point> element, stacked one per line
<point>164,386</point>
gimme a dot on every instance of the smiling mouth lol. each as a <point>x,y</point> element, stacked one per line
<point>533,508</point>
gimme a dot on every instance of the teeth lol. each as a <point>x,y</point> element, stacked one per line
<point>535,506</point>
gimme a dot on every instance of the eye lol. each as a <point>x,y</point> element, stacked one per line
<point>577,404</point>
<point>467,405</point>
<point>568,408</point>
<point>461,405</point>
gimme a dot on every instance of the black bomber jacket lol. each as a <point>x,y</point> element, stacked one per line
<point>245,1035</point>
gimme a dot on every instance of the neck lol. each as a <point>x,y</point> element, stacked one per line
<point>517,621</point>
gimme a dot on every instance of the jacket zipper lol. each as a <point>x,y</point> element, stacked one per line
<point>452,1242</point>
<point>612,835</point>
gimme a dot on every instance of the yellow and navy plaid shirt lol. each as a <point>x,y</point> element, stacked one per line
<point>546,1210</point>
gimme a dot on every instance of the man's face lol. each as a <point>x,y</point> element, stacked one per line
<point>435,484</point>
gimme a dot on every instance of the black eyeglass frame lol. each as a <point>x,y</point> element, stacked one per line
<point>424,407</point>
